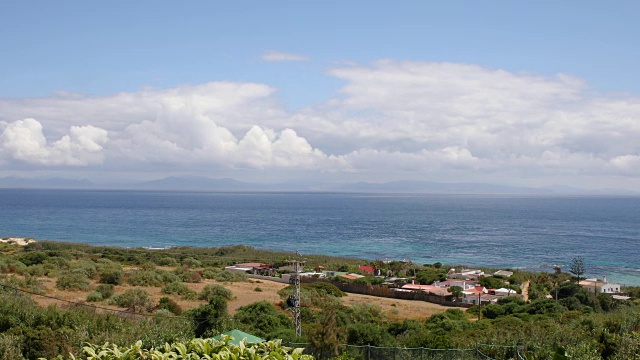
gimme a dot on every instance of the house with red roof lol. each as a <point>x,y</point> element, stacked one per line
<point>367,270</point>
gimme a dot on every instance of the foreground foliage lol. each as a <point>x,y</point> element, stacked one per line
<point>194,349</point>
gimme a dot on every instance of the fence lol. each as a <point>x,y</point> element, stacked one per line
<point>366,352</point>
<point>388,292</point>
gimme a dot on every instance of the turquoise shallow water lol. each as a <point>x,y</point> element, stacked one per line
<point>495,231</point>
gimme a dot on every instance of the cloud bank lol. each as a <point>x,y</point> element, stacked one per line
<point>391,120</point>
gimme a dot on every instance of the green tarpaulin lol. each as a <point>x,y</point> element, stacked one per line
<point>238,336</point>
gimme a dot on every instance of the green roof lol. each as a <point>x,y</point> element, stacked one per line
<point>238,336</point>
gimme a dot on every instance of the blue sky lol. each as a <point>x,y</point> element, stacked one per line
<point>94,51</point>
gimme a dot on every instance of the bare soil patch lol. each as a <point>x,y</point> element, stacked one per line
<point>244,293</point>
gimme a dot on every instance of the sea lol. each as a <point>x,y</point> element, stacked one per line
<point>532,233</point>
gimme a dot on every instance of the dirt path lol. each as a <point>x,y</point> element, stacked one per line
<point>525,290</point>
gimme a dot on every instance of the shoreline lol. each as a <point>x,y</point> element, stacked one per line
<point>545,268</point>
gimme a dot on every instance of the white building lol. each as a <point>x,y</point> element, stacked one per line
<point>600,286</point>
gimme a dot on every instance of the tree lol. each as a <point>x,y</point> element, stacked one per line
<point>324,338</point>
<point>210,319</point>
<point>577,267</point>
<point>455,291</point>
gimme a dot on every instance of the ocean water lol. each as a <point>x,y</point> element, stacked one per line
<point>530,232</point>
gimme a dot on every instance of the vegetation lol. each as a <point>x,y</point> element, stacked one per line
<point>137,299</point>
<point>73,281</point>
<point>229,276</point>
<point>577,325</point>
<point>177,288</point>
<point>577,267</point>
<point>212,290</point>
<point>197,349</point>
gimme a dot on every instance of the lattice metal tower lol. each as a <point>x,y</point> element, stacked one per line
<point>295,302</point>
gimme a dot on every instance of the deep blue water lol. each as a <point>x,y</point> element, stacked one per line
<point>496,231</point>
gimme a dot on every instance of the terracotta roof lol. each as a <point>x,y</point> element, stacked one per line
<point>367,268</point>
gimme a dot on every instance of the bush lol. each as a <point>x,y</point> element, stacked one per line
<point>73,281</point>
<point>212,290</point>
<point>187,275</point>
<point>229,276</point>
<point>191,263</point>
<point>85,267</point>
<point>210,319</point>
<point>168,261</point>
<point>94,296</point>
<point>10,347</point>
<point>262,319</point>
<point>37,270</point>
<point>210,273</point>
<point>177,288</point>
<point>258,289</point>
<point>29,282</point>
<point>111,276</point>
<point>170,305</point>
<point>326,288</point>
<point>8,266</point>
<point>106,290</point>
<point>137,298</point>
<point>491,282</point>
<point>56,263</point>
<point>33,258</point>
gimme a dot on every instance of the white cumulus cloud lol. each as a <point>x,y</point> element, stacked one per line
<point>390,120</point>
<point>24,141</point>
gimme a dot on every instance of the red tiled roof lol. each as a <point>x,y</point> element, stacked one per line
<point>367,268</point>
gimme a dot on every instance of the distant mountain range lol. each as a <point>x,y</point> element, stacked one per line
<point>227,184</point>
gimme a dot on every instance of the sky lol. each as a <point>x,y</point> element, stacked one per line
<point>528,93</point>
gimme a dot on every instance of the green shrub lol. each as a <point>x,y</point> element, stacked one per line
<point>33,257</point>
<point>73,281</point>
<point>177,288</point>
<point>187,275</point>
<point>104,264</point>
<point>94,296</point>
<point>106,290</point>
<point>148,265</point>
<point>10,347</point>
<point>210,273</point>
<point>170,305</point>
<point>137,298</point>
<point>84,267</point>
<point>111,276</point>
<point>258,289</point>
<point>230,276</point>
<point>30,283</point>
<point>12,266</point>
<point>168,261</point>
<point>56,264</point>
<point>262,319</point>
<point>326,288</point>
<point>212,290</point>
<point>191,263</point>
<point>37,270</point>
